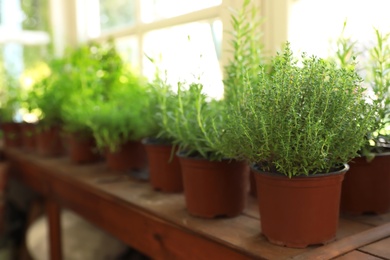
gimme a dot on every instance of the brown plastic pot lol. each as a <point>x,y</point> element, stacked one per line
<point>49,141</point>
<point>252,184</point>
<point>300,211</point>
<point>11,134</point>
<point>164,167</point>
<point>129,156</point>
<point>28,131</point>
<point>214,189</point>
<point>366,188</point>
<point>82,148</point>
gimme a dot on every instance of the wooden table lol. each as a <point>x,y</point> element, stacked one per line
<point>158,224</point>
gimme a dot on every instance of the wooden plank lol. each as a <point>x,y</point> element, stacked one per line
<point>54,222</point>
<point>130,209</point>
<point>347,244</point>
<point>356,255</point>
<point>380,248</point>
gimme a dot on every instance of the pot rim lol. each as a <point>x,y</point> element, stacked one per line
<point>280,175</point>
<point>156,141</point>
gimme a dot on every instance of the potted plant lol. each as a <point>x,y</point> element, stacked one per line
<point>51,92</point>
<point>299,125</point>
<point>118,125</point>
<point>164,167</point>
<point>214,185</point>
<point>366,188</point>
<point>92,70</point>
<point>9,105</point>
<point>247,54</point>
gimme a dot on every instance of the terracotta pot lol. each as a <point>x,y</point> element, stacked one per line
<point>49,141</point>
<point>11,134</point>
<point>366,188</point>
<point>82,148</point>
<point>28,131</point>
<point>300,211</point>
<point>3,177</point>
<point>130,156</point>
<point>164,167</point>
<point>252,184</point>
<point>214,189</point>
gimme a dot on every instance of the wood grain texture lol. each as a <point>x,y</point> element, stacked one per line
<point>347,244</point>
<point>380,248</point>
<point>54,222</point>
<point>158,224</point>
<point>356,255</point>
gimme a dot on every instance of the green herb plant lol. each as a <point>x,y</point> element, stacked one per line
<point>378,68</point>
<point>93,70</point>
<point>247,50</point>
<point>309,117</point>
<point>194,121</point>
<point>120,117</point>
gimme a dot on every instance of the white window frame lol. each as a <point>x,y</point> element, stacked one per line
<point>70,24</point>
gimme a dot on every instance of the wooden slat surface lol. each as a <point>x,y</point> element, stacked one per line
<point>347,244</point>
<point>159,225</point>
<point>380,248</point>
<point>356,255</point>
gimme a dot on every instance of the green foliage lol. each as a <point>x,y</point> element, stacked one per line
<point>305,119</point>
<point>92,72</point>
<point>9,96</point>
<point>194,122</point>
<point>378,70</point>
<point>120,117</point>
<point>346,50</point>
<point>246,48</point>
<point>51,92</point>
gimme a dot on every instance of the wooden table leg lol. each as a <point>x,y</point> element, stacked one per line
<point>54,220</point>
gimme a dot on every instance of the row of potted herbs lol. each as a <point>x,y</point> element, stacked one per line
<point>293,123</point>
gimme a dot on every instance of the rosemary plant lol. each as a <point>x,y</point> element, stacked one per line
<point>378,68</point>
<point>307,118</point>
<point>246,48</point>
<point>194,122</point>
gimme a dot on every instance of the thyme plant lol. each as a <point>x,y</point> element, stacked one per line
<point>308,118</point>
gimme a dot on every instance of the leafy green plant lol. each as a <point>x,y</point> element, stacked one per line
<point>308,118</point>
<point>120,117</point>
<point>194,122</point>
<point>346,49</point>
<point>93,71</point>
<point>49,93</point>
<point>378,76</point>
<point>9,96</point>
<point>247,50</point>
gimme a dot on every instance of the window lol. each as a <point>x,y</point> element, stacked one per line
<point>313,24</point>
<point>184,36</point>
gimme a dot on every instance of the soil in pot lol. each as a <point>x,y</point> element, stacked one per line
<point>11,134</point>
<point>366,188</point>
<point>82,148</point>
<point>129,156</point>
<point>300,211</point>
<point>164,167</point>
<point>214,189</point>
<point>49,141</point>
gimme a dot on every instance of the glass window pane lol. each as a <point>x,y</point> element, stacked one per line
<point>153,10</point>
<point>128,49</point>
<point>187,52</point>
<point>116,13</point>
<point>314,23</point>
